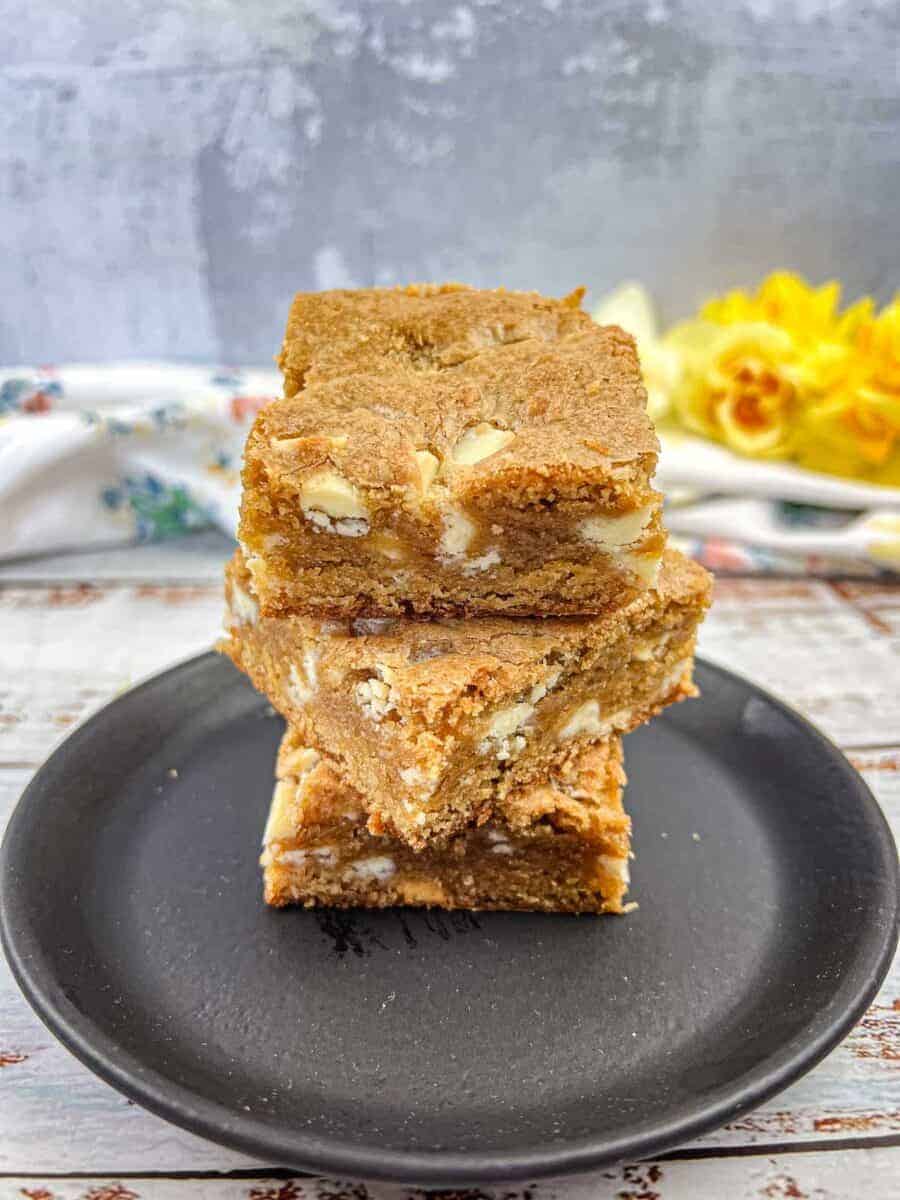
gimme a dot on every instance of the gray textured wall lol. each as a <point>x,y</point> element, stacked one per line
<point>171,173</point>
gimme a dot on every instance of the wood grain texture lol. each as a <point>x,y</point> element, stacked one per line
<point>172,173</point>
<point>67,646</point>
<point>823,1175</point>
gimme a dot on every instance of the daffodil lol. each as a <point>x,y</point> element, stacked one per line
<point>738,385</point>
<point>853,426</point>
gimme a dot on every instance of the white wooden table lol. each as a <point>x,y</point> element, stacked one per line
<point>77,630</point>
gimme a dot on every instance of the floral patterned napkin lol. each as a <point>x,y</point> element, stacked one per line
<point>95,456</point>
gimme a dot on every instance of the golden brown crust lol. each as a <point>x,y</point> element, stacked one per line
<point>376,379</point>
<point>425,326</point>
<point>561,845</point>
<point>432,721</point>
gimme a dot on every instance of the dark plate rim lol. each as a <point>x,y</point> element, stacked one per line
<point>303,1152</point>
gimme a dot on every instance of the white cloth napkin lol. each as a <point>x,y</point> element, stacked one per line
<point>99,455</point>
<point>94,456</point>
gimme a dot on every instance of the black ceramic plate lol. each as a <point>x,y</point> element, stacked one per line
<point>445,1048</point>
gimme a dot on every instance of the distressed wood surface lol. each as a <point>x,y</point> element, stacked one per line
<point>821,1175</point>
<point>67,645</point>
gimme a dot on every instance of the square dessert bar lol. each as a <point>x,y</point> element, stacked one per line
<point>434,721</point>
<point>446,450</point>
<point>561,845</point>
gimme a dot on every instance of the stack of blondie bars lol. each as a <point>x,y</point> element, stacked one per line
<point>452,582</point>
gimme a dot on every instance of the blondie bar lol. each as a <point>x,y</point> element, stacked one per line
<point>561,845</point>
<point>432,721</point>
<point>442,450</point>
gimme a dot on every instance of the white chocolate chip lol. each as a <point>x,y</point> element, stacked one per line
<point>502,848</point>
<point>375,696</point>
<point>675,676</point>
<point>282,820</point>
<point>457,535</point>
<point>540,690</point>
<point>244,609</point>
<point>645,566</point>
<point>584,720</point>
<point>299,762</point>
<point>616,530</point>
<point>508,720</point>
<point>428,467</point>
<point>495,835</point>
<point>480,442</point>
<point>298,690</point>
<point>474,565</point>
<point>295,858</point>
<point>332,503</point>
<point>346,526</point>
<point>325,855</point>
<point>287,445</point>
<point>615,866</point>
<point>378,867</point>
<point>502,737</point>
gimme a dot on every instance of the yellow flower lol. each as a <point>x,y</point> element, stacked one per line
<point>738,385</point>
<point>853,427</point>
<point>878,339</point>
<point>808,314</point>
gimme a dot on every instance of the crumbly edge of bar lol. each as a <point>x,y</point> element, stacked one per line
<point>431,777</point>
<point>570,854</point>
<point>365,584</point>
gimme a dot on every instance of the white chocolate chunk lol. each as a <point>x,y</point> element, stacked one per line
<point>294,858</point>
<point>645,566</point>
<point>428,467</point>
<point>299,762</point>
<point>326,855</point>
<point>244,609</point>
<point>675,676</point>
<point>288,445</point>
<point>510,747</point>
<point>299,686</point>
<point>377,867</point>
<point>458,534</point>
<point>375,696</point>
<point>584,720</point>
<point>621,529</point>
<point>508,720</point>
<point>502,848</point>
<point>615,866</point>
<point>540,690</point>
<point>333,503</point>
<point>346,526</point>
<point>474,565</point>
<point>282,821</point>
<point>480,442</point>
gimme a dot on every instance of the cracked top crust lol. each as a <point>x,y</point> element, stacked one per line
<point>374,378</point>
